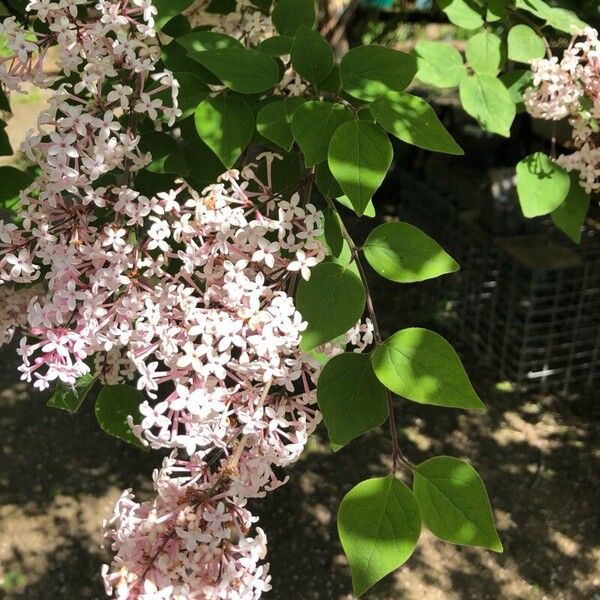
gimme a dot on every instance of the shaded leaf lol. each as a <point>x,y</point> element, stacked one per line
<point>332,301</point>
<point>114,404</point>
<point>69,398</point>
<point>379,523</point>
<point>351,398</point>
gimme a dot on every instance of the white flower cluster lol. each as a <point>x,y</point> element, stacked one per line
<point>188,295</point>
<point>570,88</point>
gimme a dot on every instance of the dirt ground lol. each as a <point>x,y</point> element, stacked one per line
<point>539,455</point>
<point>59,477</point>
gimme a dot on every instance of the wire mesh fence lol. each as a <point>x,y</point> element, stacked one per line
<point>529,304</point>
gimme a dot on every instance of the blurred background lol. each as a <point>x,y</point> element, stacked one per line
<point>524,313</point>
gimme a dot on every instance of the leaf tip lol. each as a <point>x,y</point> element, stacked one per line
<point>496,545</point>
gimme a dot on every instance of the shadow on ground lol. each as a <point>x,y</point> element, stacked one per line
<point>59,477</point>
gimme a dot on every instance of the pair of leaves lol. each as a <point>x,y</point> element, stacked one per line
<point>380,520</point>
<point>545,188</point>
<point>416,364</point>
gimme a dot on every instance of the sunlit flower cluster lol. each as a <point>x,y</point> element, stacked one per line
<point>569,87</point>
<point>247,22</point>
<point>187,294</point>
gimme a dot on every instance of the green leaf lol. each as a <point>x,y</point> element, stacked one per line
<point>70,399</point>
<point>5,147</point>
<point>360,155</point>
<point>333,82</point>
<point>203,41</point>
<point>313,126</point>
<point>177,27</point>
<point>422,366</point>
<point>276,46</point>
<point>379,523</point>
<point>4,103</point>
<point>464,13</point>
<point>454,503</point>
<point>571,214</point>
<point>413,121</point>
<point>405,254</point>
<point>542,185</point>
<point>226,124</point>
<point>439,64</point>
<point>12,182</point>
<point>167,9</point>
<point>326,182</point>
<point>369,210</point>
<point>289,15</point>
<point>312,56</point>
<point>496,10</point>
<point>369,72</point>
<point>524,44</point>
<point>203,163</point>
<point>332,302</point>
<point>516,83</point>
<point>484,53</point>
<point>114,404</point>
<point>332,232</point>
<point>244,71</point>
<point>167,153</point>
<point>485,98</point>
<point>192,91</point>
<point>559,18</point>
<point>351,398</point>
<point>274,121</point>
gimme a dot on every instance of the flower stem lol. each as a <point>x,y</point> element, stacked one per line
<point>397,454</point>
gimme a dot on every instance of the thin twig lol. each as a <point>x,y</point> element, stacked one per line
<point>397,454</point>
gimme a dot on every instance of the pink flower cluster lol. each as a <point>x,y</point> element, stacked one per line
<point>191,541</point>
<point>187,294</point>
<point>570,88</point>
